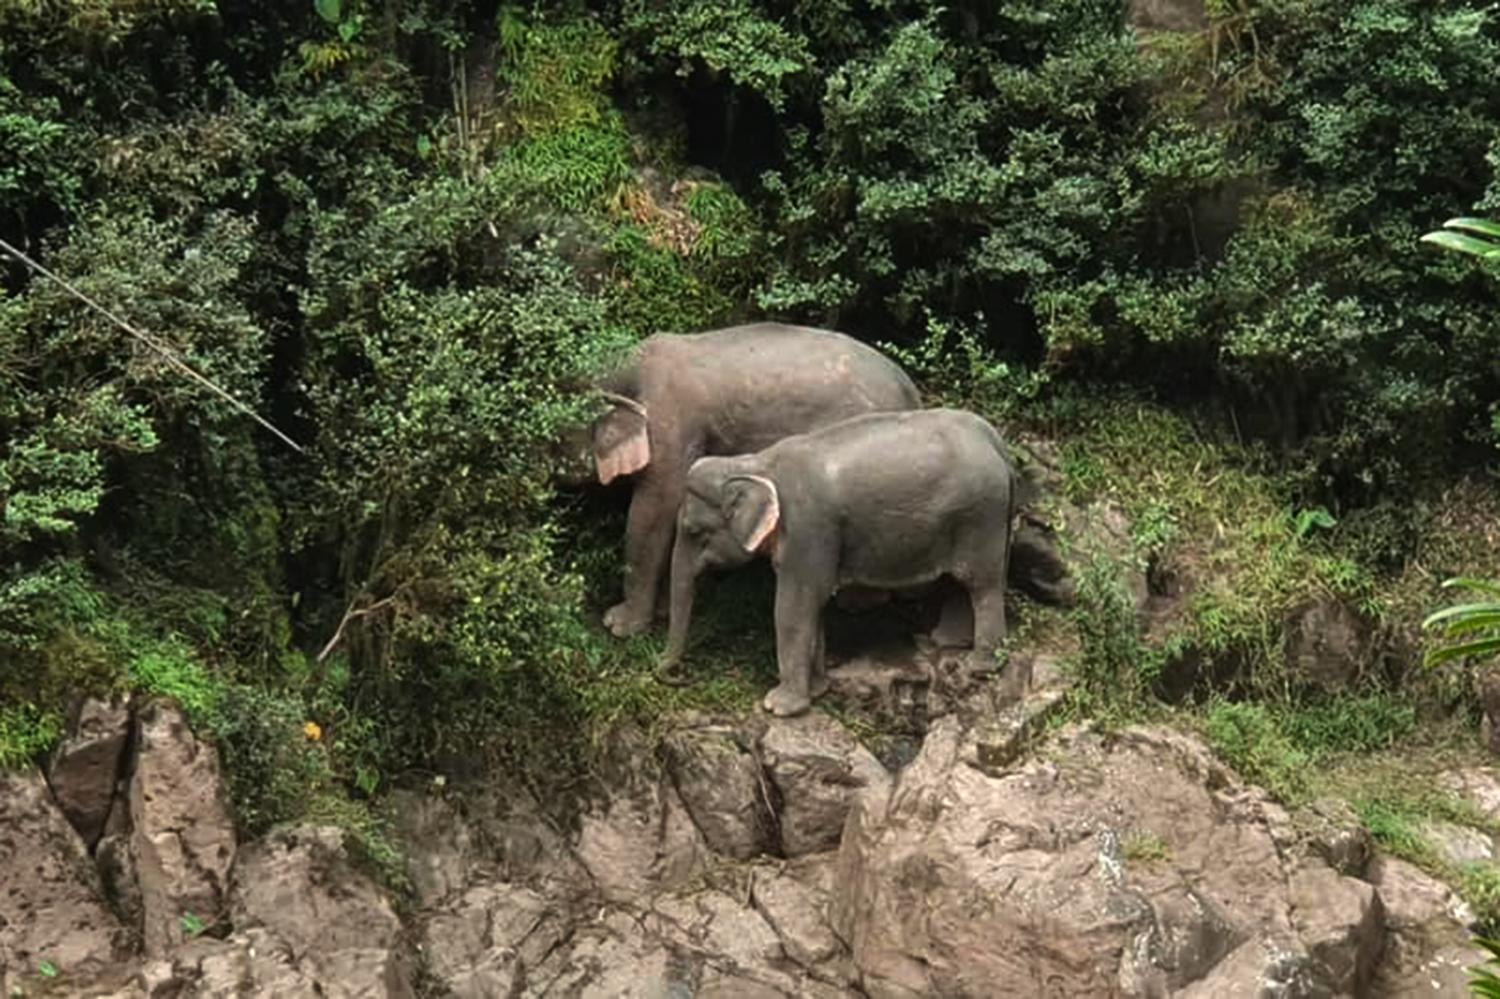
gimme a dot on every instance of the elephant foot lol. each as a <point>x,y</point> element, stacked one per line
<point>818,686</point>
<point>784,702</point>
<point>623,621</point>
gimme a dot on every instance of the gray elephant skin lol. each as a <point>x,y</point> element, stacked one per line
<point>681,397</point>
<point>887,500</point>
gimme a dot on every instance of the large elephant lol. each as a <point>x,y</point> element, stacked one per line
<point>887,500</point>
<point>681,397</point>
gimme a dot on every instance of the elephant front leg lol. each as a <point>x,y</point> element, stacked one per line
<point>799,628</point>
<point>648,538</point>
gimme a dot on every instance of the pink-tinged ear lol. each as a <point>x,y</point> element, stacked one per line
<point>764,511</point>
<point>622,444</point>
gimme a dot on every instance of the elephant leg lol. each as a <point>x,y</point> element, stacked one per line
<point>648,540</point>
<point>817,684</point>
<point>799,625</point>
<point>989,638</point>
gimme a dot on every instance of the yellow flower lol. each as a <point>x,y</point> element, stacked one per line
<point>312,731</point>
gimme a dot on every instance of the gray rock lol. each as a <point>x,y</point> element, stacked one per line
<point>339,930</point>
<point>85,768</point>
<point>1459,845</point>
<point>723,788</point>
<point>959,859</point>
<point>182,835</point>
<point>1327,644</point>
<point>1428,947</point>
<point>819,770</point>
<point>1341,922</point>
<point>51,903</point>
<point>489,940</point>
<point>441,855</point>
<point>639,839</point>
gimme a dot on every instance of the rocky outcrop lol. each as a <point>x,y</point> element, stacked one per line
<point>332,922</point>
<point>52,910</point>
<point>1133,865</point>
<point>183,839</point>
<point>85,769</point>
<point>1428,949</point>
<point>1328,644</point>
<point>818,771</point>
<point>723,787</point>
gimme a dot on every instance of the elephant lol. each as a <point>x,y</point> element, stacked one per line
<point>681,397</point>
<point>884,500</point>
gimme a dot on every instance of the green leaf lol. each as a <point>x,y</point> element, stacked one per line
<point>424,146</point>
<point>191,924</point>
<point>366,780</point>
<point>1484,610</point>
<point>47,969</point>
<point>1462,243</point>
<point>329,10</point>
<point>1483,227</point>
<point>1480,647</point>
<point>349,29</point>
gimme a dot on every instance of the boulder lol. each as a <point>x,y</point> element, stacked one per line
<point>491,938</point>
<point>182,836</point>
<point>1457,844</point>
<point>723,788</point>
<point>1039,856</point>
<point>1428,946</point>
<point>1341,922</point>
<point>439,844</point>
<point>636,836</point>
<point>798,914</point>
<point>333,924</point>
<point>86,766</point>
<point>52,906</point>
<point>818,770</point>
<point>1327,644</point>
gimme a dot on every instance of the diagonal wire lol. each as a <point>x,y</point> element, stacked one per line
<point>166,353</point>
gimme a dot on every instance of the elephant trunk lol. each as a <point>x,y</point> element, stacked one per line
<point>684,585</point>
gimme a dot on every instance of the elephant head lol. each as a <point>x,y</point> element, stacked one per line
<point>615,444</point>
<point>730,514</point>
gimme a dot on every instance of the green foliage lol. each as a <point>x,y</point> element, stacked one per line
<point>26,731</point>
<point>1483,979</point>
<point>1472,629</point>
<point>1247,736</point>
<point>1114,668</point>
<point>729,37</point>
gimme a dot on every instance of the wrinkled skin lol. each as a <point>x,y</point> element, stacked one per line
<point>730,391</point>
<point>888,500</point>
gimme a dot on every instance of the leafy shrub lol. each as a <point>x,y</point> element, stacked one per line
<point>1248,737</point>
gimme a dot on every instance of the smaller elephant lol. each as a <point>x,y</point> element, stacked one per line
<point>886,500</point>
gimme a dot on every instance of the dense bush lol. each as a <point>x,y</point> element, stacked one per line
<point>407,232</point>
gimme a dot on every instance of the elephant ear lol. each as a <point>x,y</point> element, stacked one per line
<point>753,509</point>
<point>622,441</point>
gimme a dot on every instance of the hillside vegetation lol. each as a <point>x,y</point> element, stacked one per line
<point>407,233</point>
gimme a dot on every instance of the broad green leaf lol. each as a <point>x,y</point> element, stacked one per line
<point>1463,244</point>
<point>1483,227</point>
<point>329,10</point>
<point>1460,611</point>
<point>1472,583</point>
<point>47,969</point>
<point>1448,653</point>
